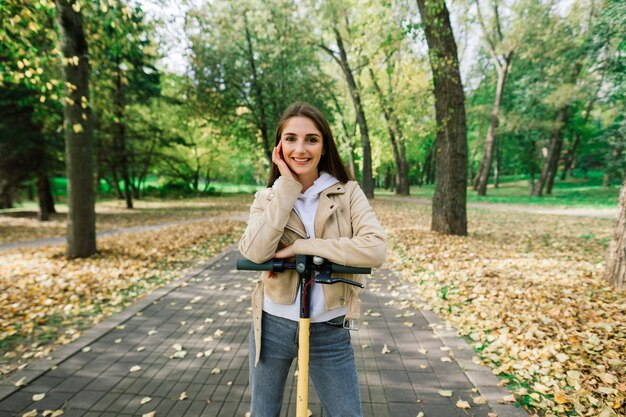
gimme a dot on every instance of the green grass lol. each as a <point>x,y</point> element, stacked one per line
<point>574,192</point>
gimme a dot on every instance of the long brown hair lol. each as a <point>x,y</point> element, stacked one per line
<point>331,161</point>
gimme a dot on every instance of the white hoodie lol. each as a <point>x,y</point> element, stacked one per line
<point>306,207</point>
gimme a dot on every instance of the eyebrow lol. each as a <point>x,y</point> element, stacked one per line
<point>308,134</point>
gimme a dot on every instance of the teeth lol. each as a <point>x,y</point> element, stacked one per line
<point>301,159</point>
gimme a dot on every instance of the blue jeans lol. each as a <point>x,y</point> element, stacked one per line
<point>331,367</point>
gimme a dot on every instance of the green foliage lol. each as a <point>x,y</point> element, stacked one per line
<point>249,60</point>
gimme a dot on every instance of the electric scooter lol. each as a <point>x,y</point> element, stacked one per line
<point>306,266</point>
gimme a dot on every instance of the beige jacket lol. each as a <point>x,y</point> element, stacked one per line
<point>347,232</point>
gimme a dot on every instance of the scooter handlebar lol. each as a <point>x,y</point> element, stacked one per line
<point>279,265</point>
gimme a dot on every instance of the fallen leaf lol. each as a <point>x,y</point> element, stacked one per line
<point>385,350</point>
<point>150,414</point>
<point>215,371</point>
<point>31,413</point>
<point>135,368</point>
<point>480,400</point>
<point>462,404</point>
<point>179,354</point>
<point>445,393</point>
<point>39,397</point>
<point>183,396</point>
<point>21,382</point>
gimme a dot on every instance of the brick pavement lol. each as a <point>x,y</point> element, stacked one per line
<point>207,314</point>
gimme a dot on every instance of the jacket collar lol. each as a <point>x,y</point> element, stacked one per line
<point>336,188</point>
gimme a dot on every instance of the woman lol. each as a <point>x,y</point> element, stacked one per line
<point>311,207</point>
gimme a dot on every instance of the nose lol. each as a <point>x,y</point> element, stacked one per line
<point>299,148</point>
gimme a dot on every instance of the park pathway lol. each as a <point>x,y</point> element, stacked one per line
<point>133,355</point>
<point>243,216</point>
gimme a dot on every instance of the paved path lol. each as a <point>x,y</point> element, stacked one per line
<point>207,311</point>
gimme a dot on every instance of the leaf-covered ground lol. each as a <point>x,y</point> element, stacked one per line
<point>21,225</point>
<point>527,290</point>
<point>46,299</point>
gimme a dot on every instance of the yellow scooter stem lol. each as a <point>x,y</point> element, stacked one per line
<point>302,398</point>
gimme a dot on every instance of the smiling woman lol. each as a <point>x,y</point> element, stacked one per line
<point>311,207</point>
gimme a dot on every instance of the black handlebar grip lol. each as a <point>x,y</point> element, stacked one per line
<point>341,269</point>
<point>248,265</point>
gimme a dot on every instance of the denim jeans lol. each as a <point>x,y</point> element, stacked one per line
<point>331,367</point>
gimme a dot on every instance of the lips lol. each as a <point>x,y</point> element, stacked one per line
<point>300,161</point>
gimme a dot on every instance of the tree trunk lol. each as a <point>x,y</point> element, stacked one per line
<point>6,194</point>
<point>554,166</point>
<point>490,140</point>
<point>449,213</point>
<point>615,272</point>
<point>44,196</point>
<point>396,138</point>
<point>496,168</point>
<point>116,181</point>
<point>551,160</point>
<point>429,168</point>
<point>81,224</point>
<point>568,159</point>
<point>122,154</point>
<point>262,118</point>
<point>367,180</point>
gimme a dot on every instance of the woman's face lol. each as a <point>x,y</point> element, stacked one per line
<point>302,145</point>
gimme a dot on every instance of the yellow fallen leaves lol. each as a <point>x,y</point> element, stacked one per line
<point>23,225</point>
<point>44,294</point>
<point>463,404</point>
<point>527,290</point>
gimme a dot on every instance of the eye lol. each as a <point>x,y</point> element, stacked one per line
<point>289,138</point>
<point>312,140</point>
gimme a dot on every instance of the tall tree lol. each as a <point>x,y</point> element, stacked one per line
<point>249,61</point>
<point>81,224</point>
<point>615,272</point>
<point>449,213</point>
<point>396,136</point>
<point>124,64</point>
<point>502,55</point>
<point>341,58</point>
<point>29,105</point>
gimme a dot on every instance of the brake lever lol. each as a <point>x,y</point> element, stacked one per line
<point>324,278</point>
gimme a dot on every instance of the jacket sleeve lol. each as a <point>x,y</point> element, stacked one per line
<point>367,247</point>
<point>267,221</point>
